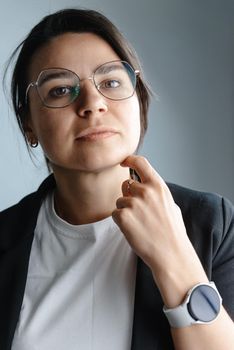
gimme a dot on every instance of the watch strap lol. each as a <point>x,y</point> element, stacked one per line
<point>180,316</point>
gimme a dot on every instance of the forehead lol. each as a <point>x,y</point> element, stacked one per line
<point>79,52</point>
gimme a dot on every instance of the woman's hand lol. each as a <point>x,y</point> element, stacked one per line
<point>153,225</point>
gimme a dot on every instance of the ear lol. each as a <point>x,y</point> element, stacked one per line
<point>28,128</point>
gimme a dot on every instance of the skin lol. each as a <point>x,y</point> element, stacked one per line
<point>93,165</point>
<point>99,168</point>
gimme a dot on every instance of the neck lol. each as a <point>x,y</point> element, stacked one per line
<point>82,197</point>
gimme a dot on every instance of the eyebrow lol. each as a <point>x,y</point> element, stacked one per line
<point>54,75</point>
<point>107,69</point>
<point>101,70</point>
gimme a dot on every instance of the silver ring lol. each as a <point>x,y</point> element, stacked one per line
<point>130,182</point>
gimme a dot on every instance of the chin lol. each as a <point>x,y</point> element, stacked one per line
<point>94,160</point>
<point>98,164</point>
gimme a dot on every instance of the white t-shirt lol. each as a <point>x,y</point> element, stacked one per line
<point>80,287</point>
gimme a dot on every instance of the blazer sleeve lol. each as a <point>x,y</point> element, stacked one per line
<point>209,221</point>
<point>223,256</point>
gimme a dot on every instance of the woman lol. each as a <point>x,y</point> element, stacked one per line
<point>94,259</point>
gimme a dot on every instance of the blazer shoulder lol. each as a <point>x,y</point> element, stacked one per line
<point>18,208</point>
<point>189,199</point>
<point>188,195</point>
<point>209,211</point>
<point>20,219</point>
<point>16,220</point>
<point>205,212</point>
<point>28,202</point>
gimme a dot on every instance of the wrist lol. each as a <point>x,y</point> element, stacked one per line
<point>174,284</point>
<point>202,305</point>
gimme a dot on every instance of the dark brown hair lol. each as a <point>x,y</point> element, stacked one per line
<point>64,21</point>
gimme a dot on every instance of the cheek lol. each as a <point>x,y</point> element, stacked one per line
<point>41,125</point>
<point>45,121</point>
<point>133,121</point>
<point>47,127</point>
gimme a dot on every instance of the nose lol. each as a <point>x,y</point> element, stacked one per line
<point>90,101</point>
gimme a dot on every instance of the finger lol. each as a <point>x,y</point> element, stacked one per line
<point>126,187</point>
<point>143,168</point>
<point>123,202</point>
<point>121,217</point>
<point>132,188</point>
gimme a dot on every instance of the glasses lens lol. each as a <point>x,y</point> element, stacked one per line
<point>115,80</point>
<point>58,87</point>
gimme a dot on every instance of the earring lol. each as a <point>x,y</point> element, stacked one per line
<point>33,144</point>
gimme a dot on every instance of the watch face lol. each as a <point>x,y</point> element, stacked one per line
<point>204,304</point>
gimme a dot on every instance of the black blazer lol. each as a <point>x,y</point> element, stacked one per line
<point>209,220</point>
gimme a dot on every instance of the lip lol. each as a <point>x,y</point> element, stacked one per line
<point>96,133</point>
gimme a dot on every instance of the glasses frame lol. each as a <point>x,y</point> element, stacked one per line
<point>35,83</point>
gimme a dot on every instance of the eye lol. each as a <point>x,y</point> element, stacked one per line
<point>60,91</point>
<point>110,84</point>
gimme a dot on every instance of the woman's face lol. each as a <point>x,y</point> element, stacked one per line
<point>110,128</point>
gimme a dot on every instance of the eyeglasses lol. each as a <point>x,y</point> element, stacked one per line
<point>59,87</point>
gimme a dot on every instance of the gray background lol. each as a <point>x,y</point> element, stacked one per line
<point>187,51</point>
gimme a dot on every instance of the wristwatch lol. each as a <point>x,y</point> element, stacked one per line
<point>202,305</point>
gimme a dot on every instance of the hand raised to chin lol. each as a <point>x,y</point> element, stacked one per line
<point>153,225</point>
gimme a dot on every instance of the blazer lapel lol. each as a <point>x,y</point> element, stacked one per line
<point>150,327</point>
<point>17,228</point>
<point>14,265</point>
